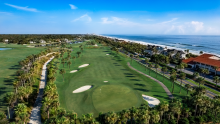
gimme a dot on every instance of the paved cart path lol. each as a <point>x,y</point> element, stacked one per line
<point>35,117</point>
<point>164,87</point>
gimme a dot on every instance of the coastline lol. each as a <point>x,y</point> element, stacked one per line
<point>196,52</point>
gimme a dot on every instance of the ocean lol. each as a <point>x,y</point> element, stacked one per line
<point>195,43</point>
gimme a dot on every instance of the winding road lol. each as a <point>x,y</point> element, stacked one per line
<point>35,117</point>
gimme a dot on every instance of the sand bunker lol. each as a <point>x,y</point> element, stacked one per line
<point>83,88</point>
<point>84,65</point>
<point>105,81</point>
<point>73,71</point>
<point>30,46</point>
<point>151,100</point>
<point>107,54</point>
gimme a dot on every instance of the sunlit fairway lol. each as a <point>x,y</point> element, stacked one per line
<point>123,90</point>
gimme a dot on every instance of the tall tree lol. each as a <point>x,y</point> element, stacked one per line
<point>173,79</point>
<point>200,80</point>
<point>182,77</point>
<point>69,63</point>
<point>156,66</point>
<point>62,72</point>
<point>131,55</point>
<point>146,61</point>
<point>216,79</point>
<point>216,69</point>
<point>78,53</point>
<point>164,70</point>
<point>150,66</point>
<point>187,87</point>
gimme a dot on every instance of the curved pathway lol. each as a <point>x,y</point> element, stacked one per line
<point>164,87</point>
<point>35,117</point>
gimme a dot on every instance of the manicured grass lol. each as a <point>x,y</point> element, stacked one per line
<point>124,89</point>
<point>9,65</point>
<point>159,77</point>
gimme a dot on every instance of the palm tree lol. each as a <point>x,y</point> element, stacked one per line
<point>156,66</point>
<point>78,53</point>
<point>173,72</point>
<point>173,79</point>
<point>74,58</point>
<point>63,62</point>
<point>131,55</point>
<point>201,52</point>
<point>21,112</point>
<point>28,90</point>
<point>146,61</point>
<point>163,107</point>
<point>206,72</point>
<point>16,84</point>
<point>69,63</point>
<point>195,75</point>
<point>200,80</point>
<point>216,68</point>
<point>182,77</point>
<point>82,49</point>
<point>155,116</point>
<point>216,79</point>
<point>47,102</point>
<point>164,70</point>
<point>150,66</point>
<point>62,71</point>
<point>9,98</point>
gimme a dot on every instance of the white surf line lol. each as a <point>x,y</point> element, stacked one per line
<point>151,100</point>
<point>83,88</point>
<point>35,117</point>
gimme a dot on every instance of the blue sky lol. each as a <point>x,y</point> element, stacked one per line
<point>179,17</point>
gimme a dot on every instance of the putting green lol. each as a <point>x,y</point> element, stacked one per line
<point>119,97</point>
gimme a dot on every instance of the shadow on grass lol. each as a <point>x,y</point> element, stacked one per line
<point>140,84</point>
<point>144,90</point>
<point>135,80</point>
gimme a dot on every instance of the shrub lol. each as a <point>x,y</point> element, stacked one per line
<point>184,121</point>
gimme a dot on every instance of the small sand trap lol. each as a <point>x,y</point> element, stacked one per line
<point>107,54</point>
<point>30,46</point>
<point>73,71</point>
<point>83,88</point>
<point>105,81</point>
<point>84,65</point>
<point>151,100</point>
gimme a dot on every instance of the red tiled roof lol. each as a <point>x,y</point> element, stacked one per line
<point>205,59</point>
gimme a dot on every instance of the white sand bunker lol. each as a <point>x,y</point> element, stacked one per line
<point>73,71</point>
<point>107,54</point>
<point>105,81</point>
<point>83,88</point>
<point>151,100</point>
<point>84,65</point>
<point>30,46</point>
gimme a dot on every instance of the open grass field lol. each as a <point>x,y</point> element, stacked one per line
<point>123,90</point>
<point>9,65</point>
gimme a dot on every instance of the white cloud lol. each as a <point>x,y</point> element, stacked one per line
<point>22,8</point>
<point>172,20</point>
<point>83,18</point>
<point>198,26</point>
<point>118,21</point>
<point>7,13</point>
<point>149,20</point>
<point>73,6</point>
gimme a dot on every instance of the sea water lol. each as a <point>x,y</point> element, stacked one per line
<point>195,43</point>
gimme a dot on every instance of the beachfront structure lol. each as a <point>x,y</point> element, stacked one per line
<point>42,41</point>
<point>174,53</point>
<point>207,61</point>
<point>5,40</point>
<point>31,42</point>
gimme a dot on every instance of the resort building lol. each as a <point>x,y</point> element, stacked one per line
<point>5,40</point>
<point>42,41</point>
<point>207,61</point>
